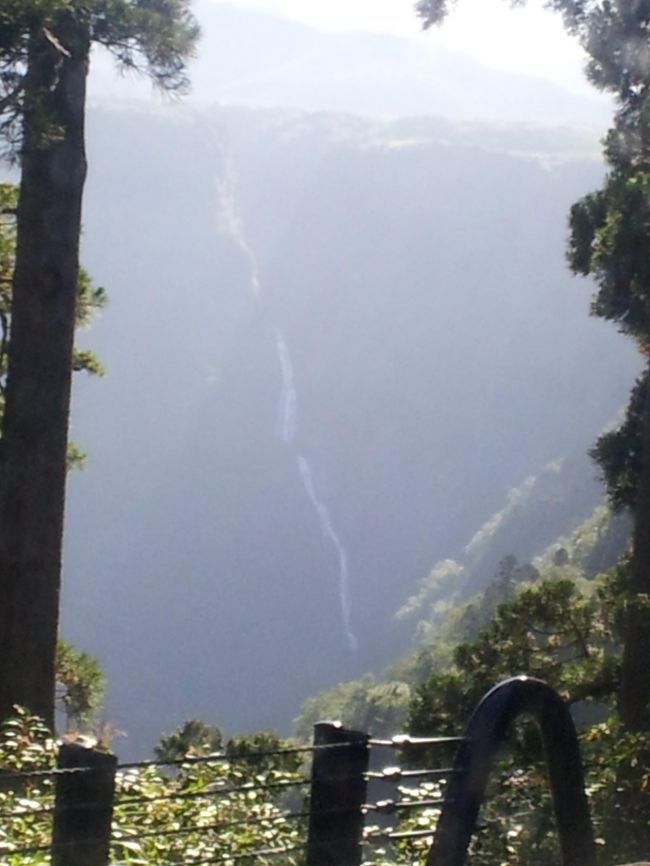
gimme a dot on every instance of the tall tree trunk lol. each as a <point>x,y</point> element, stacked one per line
<point>35,426</point>
<point>634,699</point>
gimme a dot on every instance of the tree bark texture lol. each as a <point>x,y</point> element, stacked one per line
<point>634,699</point>
<point>35,424</point>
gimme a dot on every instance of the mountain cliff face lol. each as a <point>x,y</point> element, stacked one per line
<point>333,346</point>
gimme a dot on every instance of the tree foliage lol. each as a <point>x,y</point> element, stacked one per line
<point>619,453</point>
<point>153,37</point>
<point>363,705</point>
<point>568,635</point>
<point>80,685</point>
<point>193,738</point>
<point>202,812</point>
<point>610,241</point>
<point>551,630</point>
<point>263,751</point>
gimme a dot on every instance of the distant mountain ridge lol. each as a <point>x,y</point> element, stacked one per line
<point>249,58</point>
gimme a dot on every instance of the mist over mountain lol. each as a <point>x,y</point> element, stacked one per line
<point>333,345</point>
<point>257,60</point>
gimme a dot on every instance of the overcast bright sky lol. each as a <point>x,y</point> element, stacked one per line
<point>528,40</point>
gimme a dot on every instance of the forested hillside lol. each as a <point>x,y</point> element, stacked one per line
<point>452,609</point>
<point>334,346</point>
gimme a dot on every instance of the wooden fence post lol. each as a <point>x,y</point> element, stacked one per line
<point>83,807</point>
<point>338,792</point>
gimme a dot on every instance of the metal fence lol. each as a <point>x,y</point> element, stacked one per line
<point>343,798</point>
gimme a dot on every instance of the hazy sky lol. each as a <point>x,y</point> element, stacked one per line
<point>527,40</point>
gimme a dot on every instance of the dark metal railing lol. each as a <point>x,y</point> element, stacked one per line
<point>486,731</point>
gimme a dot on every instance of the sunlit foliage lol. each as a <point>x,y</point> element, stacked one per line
<point>193,812</point>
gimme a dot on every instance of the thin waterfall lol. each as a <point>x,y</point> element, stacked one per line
<point>286,432</point>
<point>328,532</point>
<point>286,426</point>
<point>231,222</point>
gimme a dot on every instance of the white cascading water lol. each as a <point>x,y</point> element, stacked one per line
<point>287,408</point>
<point>328,532</point>
<point>230,222</point>
<point>286,431</point>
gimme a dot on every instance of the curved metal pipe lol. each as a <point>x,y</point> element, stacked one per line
<point>486,730</point>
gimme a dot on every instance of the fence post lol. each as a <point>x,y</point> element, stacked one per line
<point>83,807</point>
<point>338,792</point>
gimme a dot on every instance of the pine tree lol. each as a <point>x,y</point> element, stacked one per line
<point>44,56</point>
